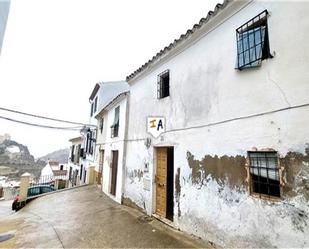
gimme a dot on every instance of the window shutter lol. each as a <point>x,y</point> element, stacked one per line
<point>158,87</point>
<point>72,153</point>
<point>90,142</point>
<point>116,117</point>
<point>91,110</point>
<point>95,104</point>
<point>87,141</point>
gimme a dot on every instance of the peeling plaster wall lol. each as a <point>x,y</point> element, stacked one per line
<point>211,198</point>
<point>138,175</point>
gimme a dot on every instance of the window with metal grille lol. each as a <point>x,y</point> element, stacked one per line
<point>253,42</point>
<point>115,126</point>
<point>163,85</point>
<point>264,173</point>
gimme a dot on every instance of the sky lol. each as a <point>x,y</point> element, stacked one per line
<point>55,51</point>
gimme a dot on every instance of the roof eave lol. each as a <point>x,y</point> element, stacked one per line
<point>185,40</point>
<point>94,91</point>
<point>114,100</point>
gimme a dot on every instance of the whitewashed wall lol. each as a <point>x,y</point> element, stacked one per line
<point>46,171</point>
<point>205,88</point>
<point>106,142</point>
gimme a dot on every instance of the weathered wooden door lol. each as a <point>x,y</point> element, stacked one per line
<point>161,181</point>
<point>114,172</point>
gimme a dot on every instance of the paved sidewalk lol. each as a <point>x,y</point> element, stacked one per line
<point>84,217</point>
<point>5,208</point>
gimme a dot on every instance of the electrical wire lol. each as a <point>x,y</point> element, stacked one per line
<point>76,128</point>
<point>227,121</point>
<point>43,117</point>
<point>238,118</point>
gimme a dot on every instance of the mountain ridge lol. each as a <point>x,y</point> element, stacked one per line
<point>16,159</point>
<point>59,155</point>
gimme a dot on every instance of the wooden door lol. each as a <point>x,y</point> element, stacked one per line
<point>161,181</point>
<point>114,172</point>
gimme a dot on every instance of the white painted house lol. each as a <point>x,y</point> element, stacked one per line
<point>75,161</point>
<point>232,163</point>
<point>54,170</point>
<point>111,133</point>
<point>102,94</point>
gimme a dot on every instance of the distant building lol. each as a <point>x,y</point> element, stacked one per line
<point>110,144</point>
<point>4,13</point>
<point>102,95</point>
<point>75,166</point>
<point>55,170</point>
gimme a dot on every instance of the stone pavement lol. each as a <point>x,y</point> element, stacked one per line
<point>5,208</point>
<point>86,218</point>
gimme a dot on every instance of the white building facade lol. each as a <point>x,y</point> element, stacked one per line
<point>110,149</point>
<point>75,167</point>
<point>231,165</point>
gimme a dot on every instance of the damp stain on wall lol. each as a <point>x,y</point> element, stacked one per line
<point>231,172</point>
<point>296,174</point>
<point>178,190</point>
<point>229,169</point>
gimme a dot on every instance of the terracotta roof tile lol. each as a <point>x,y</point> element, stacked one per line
<point>52,163</point>
<point>60,172</point>
<point>182,37</point>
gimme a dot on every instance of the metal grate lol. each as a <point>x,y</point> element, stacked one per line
<point>253,42</point>
<point>264,173</point>
<point>163,85</point>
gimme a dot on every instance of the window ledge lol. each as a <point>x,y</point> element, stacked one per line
<point>266,197</point>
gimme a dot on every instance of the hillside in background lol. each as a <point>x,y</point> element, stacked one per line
<point>59,155</point>
<point>15,159</point>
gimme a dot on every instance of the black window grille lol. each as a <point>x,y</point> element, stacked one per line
<point>253,42</point>
<point>163,85</point>
<point>264,173</point>
<point>89,142</point>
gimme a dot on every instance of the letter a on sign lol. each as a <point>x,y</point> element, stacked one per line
<point>155,126</point>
